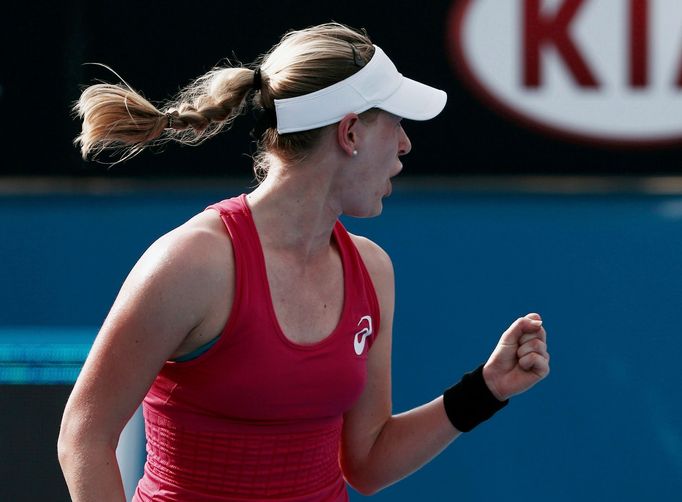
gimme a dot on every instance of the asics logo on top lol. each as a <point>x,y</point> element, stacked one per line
<point>361,336</point>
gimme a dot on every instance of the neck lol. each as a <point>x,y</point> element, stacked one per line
<point>295,208</point>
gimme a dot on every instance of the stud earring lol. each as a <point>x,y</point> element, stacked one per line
<point>355,153</point>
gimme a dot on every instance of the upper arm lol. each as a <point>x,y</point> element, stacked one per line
<point>168,294</point>
<point>363,423</point>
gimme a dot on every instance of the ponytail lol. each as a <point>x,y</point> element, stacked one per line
<point>119,119</point>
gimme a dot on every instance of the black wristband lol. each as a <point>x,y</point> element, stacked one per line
<point>470,402</point>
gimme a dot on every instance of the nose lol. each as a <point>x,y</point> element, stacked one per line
<point>405,144</point>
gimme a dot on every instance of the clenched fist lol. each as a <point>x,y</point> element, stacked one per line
<point>520,359</point>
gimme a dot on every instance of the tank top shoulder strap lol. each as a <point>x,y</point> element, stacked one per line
<point>360,280</point>
<point>250,274</point>
<point>237,218</point>
<point>232,205</point>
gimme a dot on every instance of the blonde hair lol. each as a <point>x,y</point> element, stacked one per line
<point>119,119</point>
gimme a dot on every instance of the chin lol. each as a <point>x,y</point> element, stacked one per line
<point>378,209</point>
<point>366,212</point>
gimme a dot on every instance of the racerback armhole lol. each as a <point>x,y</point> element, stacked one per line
<point>212,346</point>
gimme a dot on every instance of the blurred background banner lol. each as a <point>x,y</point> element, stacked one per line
<point>581,87</point>
<point>551,182</point>
<point>598,71</point>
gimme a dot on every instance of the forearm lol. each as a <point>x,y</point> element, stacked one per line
<point>405,443</point>
<point>91,471</point>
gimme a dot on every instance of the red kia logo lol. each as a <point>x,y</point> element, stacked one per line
<point>598,70</point>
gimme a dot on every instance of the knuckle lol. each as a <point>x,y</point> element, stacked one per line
<point>538,345</point>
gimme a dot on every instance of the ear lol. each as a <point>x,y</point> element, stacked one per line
<point>347,133</point>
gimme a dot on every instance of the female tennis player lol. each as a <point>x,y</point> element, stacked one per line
<point>257,334</point>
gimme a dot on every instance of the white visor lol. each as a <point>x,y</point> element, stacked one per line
<point>377,85</point>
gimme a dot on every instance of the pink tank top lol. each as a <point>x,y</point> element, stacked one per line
<point>257,416</point>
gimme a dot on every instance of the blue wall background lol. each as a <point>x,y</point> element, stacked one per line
<point>603,269</point>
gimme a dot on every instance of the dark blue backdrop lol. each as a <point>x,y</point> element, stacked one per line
<point>603,269</point>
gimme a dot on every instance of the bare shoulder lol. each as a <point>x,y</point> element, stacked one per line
<point>186,279</point>
<point>375,257</point>
<point>194,259</point>
<point>204,232</point>
<point>174,287</point>
<point>199,246</point>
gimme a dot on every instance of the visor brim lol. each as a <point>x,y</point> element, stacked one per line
<point>415,101</point>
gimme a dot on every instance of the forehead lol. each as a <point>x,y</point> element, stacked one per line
<point>387,116</point>
<point>393,118</point>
